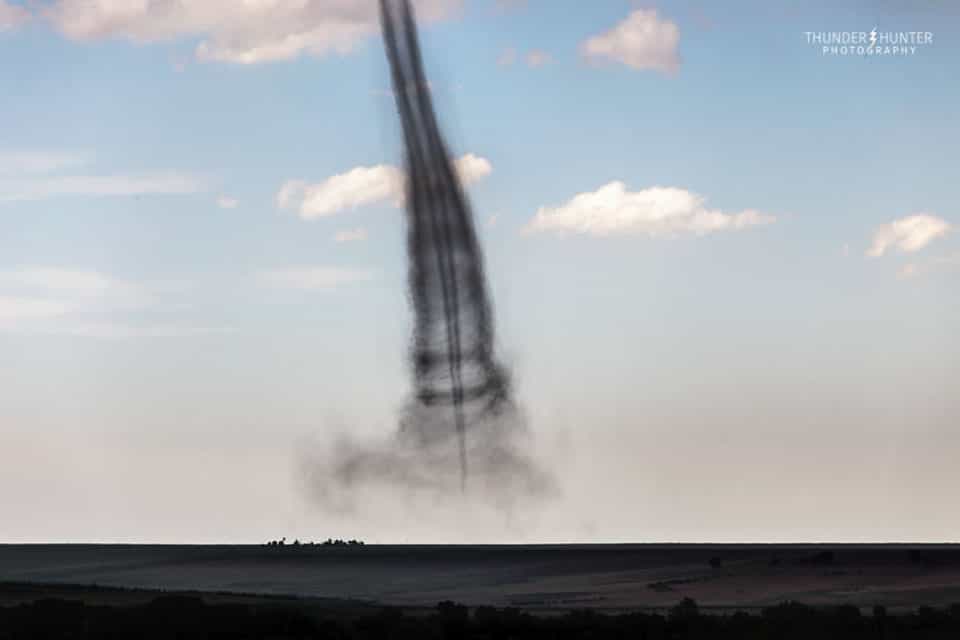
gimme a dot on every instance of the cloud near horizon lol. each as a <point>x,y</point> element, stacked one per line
<point>641,41</point>
<point>231,31</point>
<point>908,234</point>
<point>656,211</point>
<point>362,186</point>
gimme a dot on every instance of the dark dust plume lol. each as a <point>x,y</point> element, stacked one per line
<point>461,416</point>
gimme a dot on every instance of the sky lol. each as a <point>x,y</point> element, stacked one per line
<point>724,263</point>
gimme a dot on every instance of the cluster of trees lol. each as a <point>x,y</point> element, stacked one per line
<point>329,542</point>
<point>188,617</point>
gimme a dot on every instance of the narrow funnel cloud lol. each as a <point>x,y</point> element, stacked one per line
<point>460,430</point>
<point>453,361</point>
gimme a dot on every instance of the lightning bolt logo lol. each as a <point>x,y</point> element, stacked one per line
<point>873,38</point>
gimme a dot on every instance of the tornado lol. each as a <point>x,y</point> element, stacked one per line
<point>460,427</point>
<point>455,375</point>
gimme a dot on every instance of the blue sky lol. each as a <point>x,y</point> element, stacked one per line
<point>776,323</point>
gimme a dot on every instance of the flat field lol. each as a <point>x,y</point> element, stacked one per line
<point>535,577</point>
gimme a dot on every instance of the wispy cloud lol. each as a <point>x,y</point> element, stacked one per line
<point>641,41</point>
<point>313,278</point>
<point>115,185</point>
<point>362,186</point>
<point>37,175</point>
<point>657,211</point>
<point>52,300</point>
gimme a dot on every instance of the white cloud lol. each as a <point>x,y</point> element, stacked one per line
<point>312,278</point>
<point>537,58</point>
<point>12,16</point>
<point>350,235</point>
<point>355,188</point>
<point>641,41</point>
<point>908,234</point>
<point>226,202</point>
<point>363,186</point>
<point>656,211</point>
<point>247,32</point>
<point>472,168</point>
<point>507,57</point>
